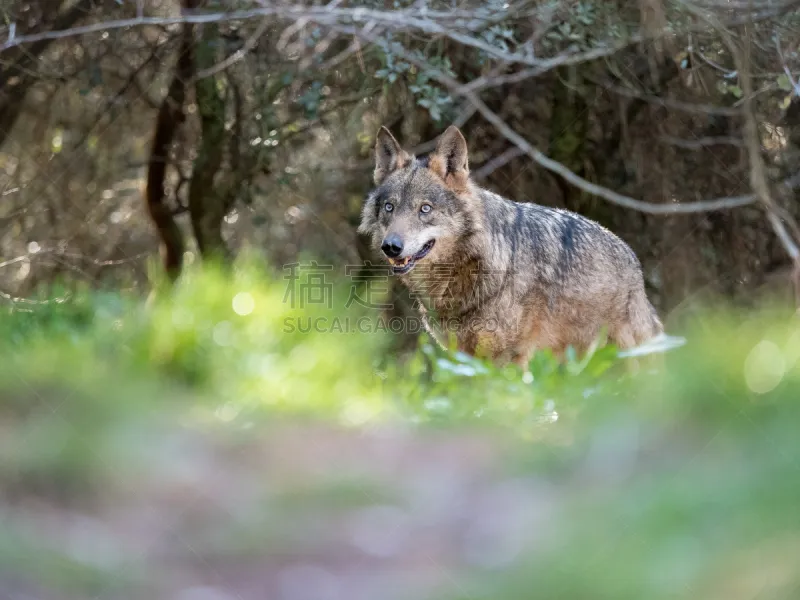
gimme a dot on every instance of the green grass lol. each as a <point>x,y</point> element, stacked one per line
<point>683,484</point>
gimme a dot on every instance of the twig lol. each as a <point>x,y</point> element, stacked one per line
<point>702,142</point>
<point>463,116</point>
<point>17,300</point>
<point>718,67</point>
<point>131,80</point>
<point>248,46</point>
<point>13,261</point>
<point>498,161</point>
<point>324,14</point>
<point>689,107</point>
<point>548,64</point>
<point>795,85</point>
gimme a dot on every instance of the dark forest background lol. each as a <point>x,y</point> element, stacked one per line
<point>251,124</point>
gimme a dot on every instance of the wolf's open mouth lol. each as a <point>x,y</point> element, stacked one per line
<point>401,266</point>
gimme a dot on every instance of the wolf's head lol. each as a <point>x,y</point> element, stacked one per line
<point>418,209</point>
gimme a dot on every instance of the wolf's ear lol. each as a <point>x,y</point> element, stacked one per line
<point>449,161</point>
<point>389,156</point>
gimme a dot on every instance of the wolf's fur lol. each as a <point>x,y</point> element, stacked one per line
<point>506,278</point>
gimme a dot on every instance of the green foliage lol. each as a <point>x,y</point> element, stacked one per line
<point>428,94</point>
<point>728,88</point>
<point>784,83</point>
<point>311,99</point>
<point>500,395</point>
<point>421,83</point>
<point>392,69</point>
<point>591,23</point>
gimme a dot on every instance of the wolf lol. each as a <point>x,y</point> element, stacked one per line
<point>497,278</point>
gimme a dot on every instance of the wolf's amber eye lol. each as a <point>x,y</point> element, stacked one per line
<point>425,208</point>
<point>389,207</point>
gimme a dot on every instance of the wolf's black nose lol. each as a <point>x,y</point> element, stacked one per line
<point>392,246</point>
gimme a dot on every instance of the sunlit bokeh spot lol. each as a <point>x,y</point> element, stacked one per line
<point>764,367</point>
<point>243,304</point>
<point>118,216</point>
<point>303,358</point>
<point>24,270</point>
<point>223,333</point>
<point>227,412</point>
<point>57,142</point>
<point>357,413</point>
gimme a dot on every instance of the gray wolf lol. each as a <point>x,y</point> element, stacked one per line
<point>497,278</point>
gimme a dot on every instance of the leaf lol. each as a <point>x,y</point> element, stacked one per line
<point>735,90</point>
<point>784,83</point>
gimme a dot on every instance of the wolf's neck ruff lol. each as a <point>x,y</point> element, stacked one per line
<point>544,277</point>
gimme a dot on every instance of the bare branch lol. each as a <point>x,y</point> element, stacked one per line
<point>28,301</point>
<point>758,171</point>
<point>398,19</point>
<point>795,84</point>
<point>703,142</point>
<point>498,161</point>
<point>13,261</point>
<point>449,24</point>
<point>248,46</point>
<point>758,176</point>
<point>556,167</point>
<point>463,116</point>
<point>689,107</point>
<point>544,65</point>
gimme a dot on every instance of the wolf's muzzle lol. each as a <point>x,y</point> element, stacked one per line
<point>392,246</point>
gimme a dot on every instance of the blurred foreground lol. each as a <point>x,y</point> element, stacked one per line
<point>206,447</point>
